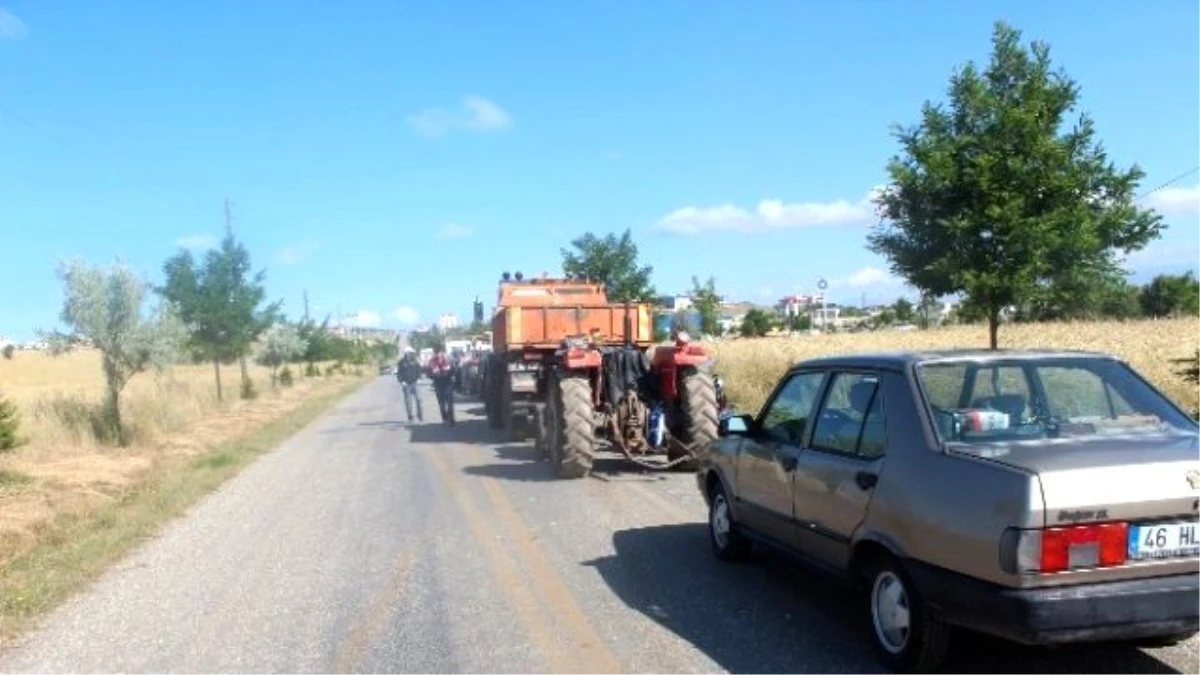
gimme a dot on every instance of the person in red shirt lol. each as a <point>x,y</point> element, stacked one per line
<point>441,372</point>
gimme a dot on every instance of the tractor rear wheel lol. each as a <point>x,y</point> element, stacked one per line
<point>572,426</point>
<point>697,415</point>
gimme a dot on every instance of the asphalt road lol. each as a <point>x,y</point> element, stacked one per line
<point>367,544</point>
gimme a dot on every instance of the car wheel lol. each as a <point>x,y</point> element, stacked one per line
<point>908,636</point>
<point>729,544</point>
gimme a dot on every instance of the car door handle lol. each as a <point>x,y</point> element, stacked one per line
<point>865,479</point>
<point>789,463</point>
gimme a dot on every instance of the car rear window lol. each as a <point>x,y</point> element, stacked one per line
<point>1036,398</point>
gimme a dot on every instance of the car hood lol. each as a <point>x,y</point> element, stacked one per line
<point>1127,477</point>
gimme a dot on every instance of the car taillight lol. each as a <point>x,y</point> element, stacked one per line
<point>1076,546</point>
<point>1059,549</point>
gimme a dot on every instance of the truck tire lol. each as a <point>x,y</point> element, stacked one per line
<point>697,414</point>
<point>512,432</point>
<point>491,395</point>
<point>573,429</point>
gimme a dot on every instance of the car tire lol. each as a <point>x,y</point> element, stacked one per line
<point>908,636</point>
<point>728,544</point>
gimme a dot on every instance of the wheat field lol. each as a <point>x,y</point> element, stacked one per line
<point>750,367</point>
<point>62,467</point>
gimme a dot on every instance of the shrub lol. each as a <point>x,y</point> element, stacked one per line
<point>285,377</point>
<point>8,351</point>
<point>248,391</point>
<point>1190,373</point>
<point>10,425</point>
<point>311,370</point>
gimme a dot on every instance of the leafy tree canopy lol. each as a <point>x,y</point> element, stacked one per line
<point>613,261</point>
<point>991,199</point>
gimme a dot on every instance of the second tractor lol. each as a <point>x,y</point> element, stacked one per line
<point>579,372</point>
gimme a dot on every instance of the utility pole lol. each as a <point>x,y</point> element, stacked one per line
<point>228,217</point>
<point>306,305</point>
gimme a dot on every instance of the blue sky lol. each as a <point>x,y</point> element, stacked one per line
<point>393,158</point>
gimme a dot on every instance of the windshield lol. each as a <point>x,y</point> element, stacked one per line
<point>1040,398</point>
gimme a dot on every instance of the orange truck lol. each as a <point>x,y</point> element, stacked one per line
<point>578,370</point>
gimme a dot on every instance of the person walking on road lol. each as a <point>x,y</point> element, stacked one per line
<point>441,371</point>
<point>408,371</point>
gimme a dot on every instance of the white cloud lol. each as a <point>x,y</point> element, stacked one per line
<point>867,277</point>
<point>455,231</point>
<point>1176,201</point>
<point>11,26</point>
<point>1158,254</point>
<point>485,115</point>
<point>197,242</point>
<point>770,215</point>
<point>294,254</point>
<point>407,316</point>
<point>475,113</point>
<point>366,318</point>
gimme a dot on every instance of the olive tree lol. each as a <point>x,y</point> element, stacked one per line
<point>106,307</point>
<point>279,344</point>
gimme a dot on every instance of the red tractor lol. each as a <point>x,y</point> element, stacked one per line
<point>584,370</point>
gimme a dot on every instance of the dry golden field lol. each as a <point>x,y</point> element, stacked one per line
<point>63,468</point>
<point>751,367</point>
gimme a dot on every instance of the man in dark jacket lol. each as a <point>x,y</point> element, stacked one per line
<point>408,371</point>
<point>441,371</point>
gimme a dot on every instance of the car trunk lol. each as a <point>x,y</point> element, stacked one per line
<point>1150,482</point>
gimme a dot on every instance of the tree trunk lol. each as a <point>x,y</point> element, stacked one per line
<point>217,371</point>
<point>993,327</point>
<point>112,404</point>
<point>245,372</point>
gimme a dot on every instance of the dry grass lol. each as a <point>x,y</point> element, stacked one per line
<point>64,470</point>
<point>750,368</point>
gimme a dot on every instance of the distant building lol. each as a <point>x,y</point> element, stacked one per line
<point>674,303</point>
<point>447,322</point>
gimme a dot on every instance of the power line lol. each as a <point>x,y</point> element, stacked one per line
<point>1169,183</point>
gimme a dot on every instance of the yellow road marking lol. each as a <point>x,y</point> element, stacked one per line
<point>514,587</point>
<point>593,653</point>
<point>350,652</point>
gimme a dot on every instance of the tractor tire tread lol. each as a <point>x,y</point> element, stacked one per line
<point>578,426</point>
<point>698,408</point>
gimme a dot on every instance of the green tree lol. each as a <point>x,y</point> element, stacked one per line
<point>10,426</point>
<point>681,322</point>
<point>8,351</point>
<point>278,345</point>
<point>613,261</point>
<point>708,305</point>
<point>106,307</point>
<point>220,304</point>
<point>990,200</point>
<point>903,310</point>
<point>757,323</point>
<point>800,322</point>
<point>1171,295</point>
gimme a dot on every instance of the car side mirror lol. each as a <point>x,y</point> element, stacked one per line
<point>735,425</point>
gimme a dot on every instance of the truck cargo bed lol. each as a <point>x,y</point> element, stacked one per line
<point>545,327</point>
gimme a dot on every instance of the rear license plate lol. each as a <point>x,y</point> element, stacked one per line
<point>1163,540</point>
